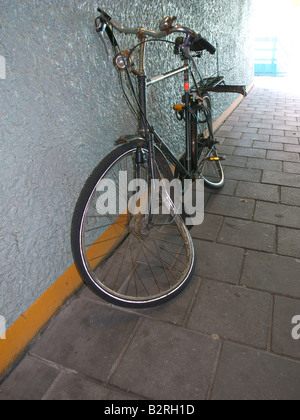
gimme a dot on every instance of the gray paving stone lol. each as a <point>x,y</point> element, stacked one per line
<point>29,381</point>
<point>226,127</point>
<point>281,178</point>
<point>268,145</point>
<point>292,118</point>
<point>258,191</point>
<point>272,273</point>
<point>248,374</point>
<point>286,139</point>
<point>290,196</point>
<point>229,134</point>
<point>234,142</point>
<point>220,139</point>
<point>209,229</point>
<point>230,206</point>
<point>228,189</point>
<point>176,310</point>
<point>292,148</point>
<point>277,214</point>
<point>218,262</point>
<point>248,130</point>
<point>247,234</point>
<point>283,156</point>
<point>293,168</point>
<point>233,119</point>
<point>73,387</point>
<point>285,127</point>
<point>87,337</point>
<point>232,312</point>
<point>256,137</point>
<point>166,362</point>
<point>293,136</point>
<point>243,174</point>
<point>262,125</point>
<point>289,242</point>
<point>266,165</point>
<point>256,153</point>
<point>226,150</point>
<point>271,132</point>
<point>239,161</point>
<point>285,310</point>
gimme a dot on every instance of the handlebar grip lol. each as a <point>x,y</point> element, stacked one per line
<point>105,15</point>
<point>201,44</point>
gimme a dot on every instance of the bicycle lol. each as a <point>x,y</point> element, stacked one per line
<point>143,258</point>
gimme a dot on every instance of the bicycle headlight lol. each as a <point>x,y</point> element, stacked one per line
<point>123,60</point>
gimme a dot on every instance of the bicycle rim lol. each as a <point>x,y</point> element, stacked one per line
<point>212,171</point>
<point>121,257</point>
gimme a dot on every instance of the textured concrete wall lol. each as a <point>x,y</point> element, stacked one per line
<point>61,110</point>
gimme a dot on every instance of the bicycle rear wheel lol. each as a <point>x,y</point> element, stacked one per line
<point>123,257</point>
<point>211,167</point>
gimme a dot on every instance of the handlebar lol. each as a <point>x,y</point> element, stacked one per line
<point>193,41</point>
<point>165,27</point>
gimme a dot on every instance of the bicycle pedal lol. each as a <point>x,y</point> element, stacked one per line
<point>216,158</point>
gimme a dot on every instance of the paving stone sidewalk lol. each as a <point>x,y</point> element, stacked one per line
<point>229,335</point>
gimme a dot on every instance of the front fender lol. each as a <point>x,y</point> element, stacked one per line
<point>129,138</point>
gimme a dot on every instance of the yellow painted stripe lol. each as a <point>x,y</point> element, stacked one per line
<point>20,334</point>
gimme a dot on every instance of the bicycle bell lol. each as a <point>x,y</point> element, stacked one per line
<point>166,23</point>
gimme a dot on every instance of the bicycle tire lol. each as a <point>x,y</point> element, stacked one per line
<point>120,298</point>
<point>212,172</point>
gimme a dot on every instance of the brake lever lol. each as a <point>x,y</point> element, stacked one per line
<point>101,28</point>
<point>101,34</point>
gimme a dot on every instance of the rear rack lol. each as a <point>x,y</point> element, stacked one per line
<point>217,84</point>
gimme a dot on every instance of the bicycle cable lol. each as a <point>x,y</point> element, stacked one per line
<point>151,129</point>
<point>117,48</point>
<point>134,112</point>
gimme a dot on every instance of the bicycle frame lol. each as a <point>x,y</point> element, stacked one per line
<point>144,131</point>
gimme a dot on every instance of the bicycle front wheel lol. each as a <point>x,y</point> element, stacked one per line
<point>125,256</point>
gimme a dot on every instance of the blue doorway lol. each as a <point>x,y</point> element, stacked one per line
<point>266,57</point>
<point>277,34</point>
